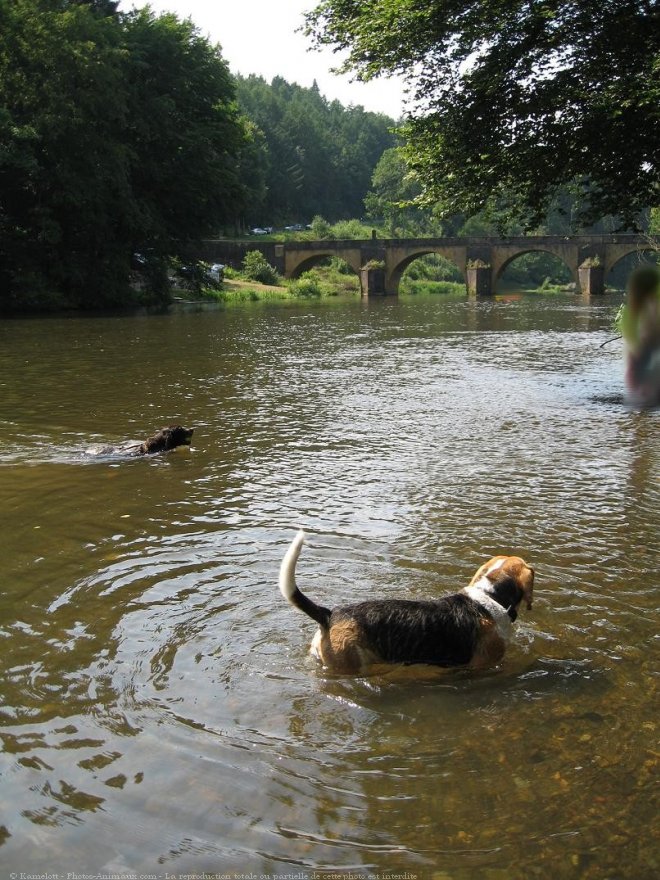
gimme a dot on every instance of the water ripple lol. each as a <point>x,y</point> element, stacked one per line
<point>159,707</point>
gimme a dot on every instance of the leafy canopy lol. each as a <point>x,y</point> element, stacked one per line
<point>513,98</point>
<point>317,156</point>
<point>118,134</point>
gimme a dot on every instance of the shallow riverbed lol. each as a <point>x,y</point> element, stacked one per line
<point>159,712</point>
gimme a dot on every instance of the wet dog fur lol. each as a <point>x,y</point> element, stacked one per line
<point>166,439</point>
<point>162,441</point>
<point>470,628</point>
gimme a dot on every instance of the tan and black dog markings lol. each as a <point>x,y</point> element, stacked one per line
<point>469,628</point>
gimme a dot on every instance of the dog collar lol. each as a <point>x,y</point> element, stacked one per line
<point>499,614</point>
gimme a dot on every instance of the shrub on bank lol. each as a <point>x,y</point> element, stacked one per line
<point>257,268</point>
<point>409,287</point>
<point>307,286</point>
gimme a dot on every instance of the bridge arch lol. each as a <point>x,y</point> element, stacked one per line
<point>621,263</point>
<point>503,261</point>
<point>397,264</point>
<point>617,253</point>
<point>504,256</point>
<point>317,259</point>
<point>300,260</point>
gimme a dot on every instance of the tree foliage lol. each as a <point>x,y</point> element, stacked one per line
<point>257,268</point>
<point>118,133</point>
<point>514,99</point>
<point>319,155</point>
<point>393,190</point>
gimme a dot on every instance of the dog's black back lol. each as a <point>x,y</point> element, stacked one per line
<point>442,632</point>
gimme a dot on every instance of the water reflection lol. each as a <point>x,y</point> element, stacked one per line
<point>159,712</point>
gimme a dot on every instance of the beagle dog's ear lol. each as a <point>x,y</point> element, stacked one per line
<point>506,589</point>
<point>488,570</point>
<point>508,578</point>
<point>523,574</point>
<point>527,583</point>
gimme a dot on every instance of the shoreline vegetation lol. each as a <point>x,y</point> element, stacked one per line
<point>318,285</point>
<point>334,280</point>
<point>199,284</point>
<point>428,275</point>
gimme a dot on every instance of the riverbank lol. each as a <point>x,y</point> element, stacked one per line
<point>237,291</point>
<point>313,286</point>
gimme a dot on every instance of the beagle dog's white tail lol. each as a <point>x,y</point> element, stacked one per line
<point>289,588</point>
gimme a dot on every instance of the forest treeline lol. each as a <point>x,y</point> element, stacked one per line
<point>310,156</point>
<point>125,139</point>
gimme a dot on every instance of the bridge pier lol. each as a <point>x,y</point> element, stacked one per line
<point>478,277</point>
<point>591,278</point>
<point>372,281</point>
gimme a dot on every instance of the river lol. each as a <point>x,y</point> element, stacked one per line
<point>160,715</point>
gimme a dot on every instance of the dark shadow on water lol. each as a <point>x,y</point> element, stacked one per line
<point>610,399</point>
<point>621,400</point>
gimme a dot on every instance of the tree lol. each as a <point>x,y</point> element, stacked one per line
<point>183,129</point>
<point>321,155</point>
<point>62,179</point>
<point>514,99</point>
<point>392,191</point>
<point>253,170</point>
<point>118,133</point>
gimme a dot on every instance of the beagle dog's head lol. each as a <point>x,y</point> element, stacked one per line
<point>508,580</point>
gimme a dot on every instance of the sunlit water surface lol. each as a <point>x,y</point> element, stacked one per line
<point>159,711</point>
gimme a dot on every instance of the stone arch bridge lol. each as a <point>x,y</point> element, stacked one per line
<point>380,263</point>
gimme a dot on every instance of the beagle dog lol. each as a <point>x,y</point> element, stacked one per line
<point>470,628</point>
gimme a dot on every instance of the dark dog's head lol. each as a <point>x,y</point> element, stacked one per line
<point>168,438</point>
<point>508,580</point>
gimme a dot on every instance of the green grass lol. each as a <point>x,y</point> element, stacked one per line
<point>409,287</point>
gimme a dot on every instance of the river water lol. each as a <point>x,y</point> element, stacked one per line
<point>160,715</point>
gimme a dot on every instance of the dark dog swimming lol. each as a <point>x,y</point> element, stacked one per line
<point>164,440</point>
